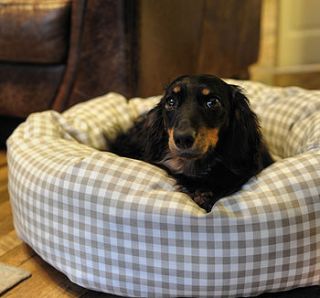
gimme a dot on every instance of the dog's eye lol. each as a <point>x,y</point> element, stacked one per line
<point>170,103</point>
<point>212,103</point>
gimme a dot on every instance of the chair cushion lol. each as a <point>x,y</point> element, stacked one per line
<point>27,88</point>
<point>120,226</point>
<point>33,31</point>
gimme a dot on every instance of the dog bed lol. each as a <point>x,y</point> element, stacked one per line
<point>118,225</point>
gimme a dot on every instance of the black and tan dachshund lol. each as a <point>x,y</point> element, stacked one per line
<point>204,134</point>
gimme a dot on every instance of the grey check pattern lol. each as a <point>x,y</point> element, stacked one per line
<point>120,226</point>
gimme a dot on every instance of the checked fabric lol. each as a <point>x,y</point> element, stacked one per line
<point>119,226</point>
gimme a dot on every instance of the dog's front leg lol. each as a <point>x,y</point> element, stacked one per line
<point>205,199</point>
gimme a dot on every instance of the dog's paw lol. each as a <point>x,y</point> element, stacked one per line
<point>204,199</point>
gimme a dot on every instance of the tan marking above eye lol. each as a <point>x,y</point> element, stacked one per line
<point>205,91</point>
<point>177,89</point>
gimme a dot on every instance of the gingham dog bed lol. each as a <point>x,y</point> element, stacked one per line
<point>119,226</point>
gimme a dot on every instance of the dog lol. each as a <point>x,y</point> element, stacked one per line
<point>204,134</point>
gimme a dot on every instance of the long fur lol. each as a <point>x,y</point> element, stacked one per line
<point>239,153</point>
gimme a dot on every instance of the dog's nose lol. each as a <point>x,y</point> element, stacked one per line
<point>184,139</point>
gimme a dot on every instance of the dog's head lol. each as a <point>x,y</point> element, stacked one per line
<point>195,108</point>
<point>202,115</point>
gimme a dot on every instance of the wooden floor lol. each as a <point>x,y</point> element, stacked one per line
<point>45,280</point>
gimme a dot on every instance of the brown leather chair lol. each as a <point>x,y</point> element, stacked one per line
<point>42,48</point>
<point>54,54</point>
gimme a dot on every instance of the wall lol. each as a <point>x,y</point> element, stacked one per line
<point>290,44</point>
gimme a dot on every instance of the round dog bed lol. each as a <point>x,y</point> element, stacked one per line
<point>120,226</point>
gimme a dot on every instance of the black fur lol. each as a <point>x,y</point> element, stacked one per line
<point>215,146</point>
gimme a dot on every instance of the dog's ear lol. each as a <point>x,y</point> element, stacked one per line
<point>243,133</point>
<point>156,136</point>
<point>144,140</point>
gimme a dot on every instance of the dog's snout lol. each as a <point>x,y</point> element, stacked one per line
<point>184,138</point>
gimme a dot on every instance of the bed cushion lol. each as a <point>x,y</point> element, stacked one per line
<point>118,225</point>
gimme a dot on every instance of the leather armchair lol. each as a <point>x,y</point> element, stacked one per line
<point>54,54</point>
<point>48,46</point>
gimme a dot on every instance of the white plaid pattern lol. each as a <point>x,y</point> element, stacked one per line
<point>118,225</point>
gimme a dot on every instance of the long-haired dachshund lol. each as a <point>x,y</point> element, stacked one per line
<point>204,134</point>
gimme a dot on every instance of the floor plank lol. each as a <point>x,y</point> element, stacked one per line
<point>3,158</point>
<point>9,242</point>
<point>18,255</point>
<point>45,282</point>
<point>6,223</point>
